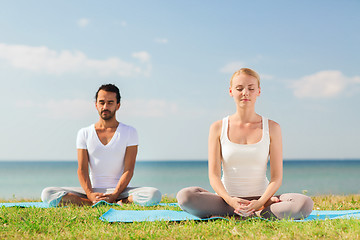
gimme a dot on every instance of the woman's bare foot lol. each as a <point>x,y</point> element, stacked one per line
<point>268,203</point>
<point>271,201</point>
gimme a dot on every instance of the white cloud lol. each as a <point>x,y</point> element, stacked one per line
<point>232,67</point>
<point>123,23</point>
<point>120,23</point>
<point>266,77</point>
<point>83,22</point>
<point>142,56</point>
<point>161,40</point>
<point>80,108</point>
<point>45,60</point>
<point>356,79</point>
<point>60,109</point>
<point>148,108</point>
<point>324,84</point>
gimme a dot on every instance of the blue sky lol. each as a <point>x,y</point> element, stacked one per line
<point>172,61</point>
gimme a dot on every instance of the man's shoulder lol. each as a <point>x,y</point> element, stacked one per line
<point>123,126</point>
<point>86,129</point>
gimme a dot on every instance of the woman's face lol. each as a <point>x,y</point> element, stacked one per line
<point>244,89</point>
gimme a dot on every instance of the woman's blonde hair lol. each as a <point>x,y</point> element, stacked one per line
<point>246,71</point>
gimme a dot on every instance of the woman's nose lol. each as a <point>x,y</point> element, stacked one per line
<point>245,92</point>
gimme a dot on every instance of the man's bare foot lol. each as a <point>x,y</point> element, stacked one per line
<point>125,200</point>
<point>71,198</point>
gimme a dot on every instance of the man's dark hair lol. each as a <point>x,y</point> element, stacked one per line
<point>109,88</point>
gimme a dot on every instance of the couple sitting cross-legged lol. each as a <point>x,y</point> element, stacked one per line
<point>241,144</point>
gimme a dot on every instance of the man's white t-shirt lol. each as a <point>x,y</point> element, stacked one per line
<point>106,162</point>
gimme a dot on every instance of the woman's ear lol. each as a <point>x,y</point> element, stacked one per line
<point>230,92</point>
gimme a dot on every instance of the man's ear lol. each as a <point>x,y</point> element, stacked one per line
<point>118,106</point>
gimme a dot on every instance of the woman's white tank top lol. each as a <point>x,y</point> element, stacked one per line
<point>244,165</point>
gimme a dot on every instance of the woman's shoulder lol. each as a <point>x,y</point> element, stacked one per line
<point>216,125</point>
<point>274,127</point>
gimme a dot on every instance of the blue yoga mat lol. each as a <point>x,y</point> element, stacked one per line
<point>113,215</point>
<point>45,205</point>
<point>103,203</point>
<point>334,214</point>
<point>25,204</point>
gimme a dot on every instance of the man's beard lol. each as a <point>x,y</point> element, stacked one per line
<point>109,115</point>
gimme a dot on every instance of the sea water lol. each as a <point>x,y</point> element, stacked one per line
<point>313,177</point>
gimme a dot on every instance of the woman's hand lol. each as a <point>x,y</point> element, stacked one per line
<point>254,205</point>
<point>238,204</point>
<point>246,210</point>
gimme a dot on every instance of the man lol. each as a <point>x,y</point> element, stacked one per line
<point>108,149</point>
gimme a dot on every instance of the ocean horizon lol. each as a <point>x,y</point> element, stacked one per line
<point>26,179</point>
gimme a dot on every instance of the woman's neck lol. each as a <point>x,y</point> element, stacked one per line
<point>246,115</point>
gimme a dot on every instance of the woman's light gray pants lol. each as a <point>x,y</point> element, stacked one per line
<point>203,204</point>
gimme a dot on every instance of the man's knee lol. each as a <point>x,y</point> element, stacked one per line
<point>147,196</point>
<point>154,195</point>
<point>46,193</point>
<point>52,195</point>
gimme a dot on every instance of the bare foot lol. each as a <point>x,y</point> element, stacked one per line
<point>71,198</point>
<point>275,199</point>
<point>125,200</point>
<point>271,201</point>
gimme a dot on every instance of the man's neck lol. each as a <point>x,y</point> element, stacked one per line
<point>111,123</point>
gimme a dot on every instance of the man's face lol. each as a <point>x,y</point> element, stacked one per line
<point>106,104</point>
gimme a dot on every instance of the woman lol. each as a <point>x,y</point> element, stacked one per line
<point>241,144</point>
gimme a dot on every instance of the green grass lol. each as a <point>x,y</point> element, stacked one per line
<point>83,223</point>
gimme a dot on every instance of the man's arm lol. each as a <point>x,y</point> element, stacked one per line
<point>129,166</point>
<point>84,179</point>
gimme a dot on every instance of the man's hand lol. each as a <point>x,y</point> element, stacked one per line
<point>111,197</point>
<point>95,197</point>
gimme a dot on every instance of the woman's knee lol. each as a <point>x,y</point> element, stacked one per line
<point>302,205</point>
<point>307,206</point>
<point>187,195</point>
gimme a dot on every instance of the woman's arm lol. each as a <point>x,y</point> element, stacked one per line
<point>214,155</point>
